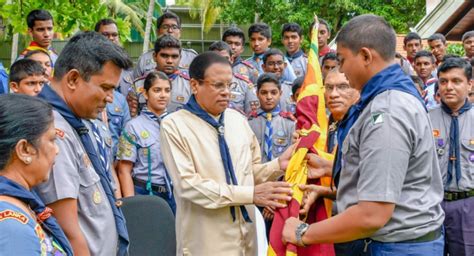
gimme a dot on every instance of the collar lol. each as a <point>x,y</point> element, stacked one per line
<point>257,56</point>
<point>323,51</point>
<point>467,106</point>
<point>295,55</point>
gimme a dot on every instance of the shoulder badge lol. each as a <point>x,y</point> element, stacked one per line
<point>248,64</point>
<point>242,77</point>
<point>184,74</point>
<point>253,114</point>
<point>140,78</point>
<point>287,115</point>
<point>14,215</point>
<point>436,133</point>
<point>377,118</point>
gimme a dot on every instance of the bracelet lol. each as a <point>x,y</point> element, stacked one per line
<point>300,230</point>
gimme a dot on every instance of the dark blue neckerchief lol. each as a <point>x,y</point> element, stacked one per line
<point>391,78</point>
<point>454,154</point>
<point>257,56</point>
<point>153,116</point>
<point>193,107</point>
<point>13,189</point>
<point>297,54</point>
<point>173,76</point>
<point>332,132</point>
<point>59,105</point>
<point>276,111</point>
<point>237,61</point>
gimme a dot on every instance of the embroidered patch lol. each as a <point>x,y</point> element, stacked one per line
<point>145,134</point>
<point>436,133</point>
<point>180,98</point>
<point>471,157</point>
<point>59,133</point>
<point>117,109</point>
<point>440,142</point>
<point>377,118</point>
<point>471,142</point>
<point>97,198</point>
<point>10,214</point>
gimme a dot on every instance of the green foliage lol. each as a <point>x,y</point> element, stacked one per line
<point>402,14</point>
<point>457,49</point>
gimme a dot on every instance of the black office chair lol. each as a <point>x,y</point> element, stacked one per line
<point>151,226</point>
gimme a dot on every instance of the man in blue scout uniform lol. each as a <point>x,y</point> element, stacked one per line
<point>118,112</point>
<point>424,65</point>
<point>167,24</point>
<point>260,36</point>
<point>389,186</point>
<point>242,96</point>
<point>235,38</point>
<point>453,131</point>
<point>167,55</point>
<point>292,37</point>
<point>272,126</point>
<point>273,62</point>
<point>79,189</point>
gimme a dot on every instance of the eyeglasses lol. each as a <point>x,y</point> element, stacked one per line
<point>276,63</point>
<point>339,87</point>
<point>110,34</point>
<point>220,86</point>
<point>168,27</point>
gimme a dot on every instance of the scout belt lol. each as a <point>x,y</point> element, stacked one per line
<point>453,196</point>
<point>155,187</point>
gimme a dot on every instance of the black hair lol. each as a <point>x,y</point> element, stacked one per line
<point>104,22</point>
<point>166,41</point>
<point>220,46</point>
<point>425,53</point>
<point>437,36</point>
<point>321,22</point>
<point>291,27</point>
<point>271,52</point>
<point>17,114</point>
<point>202,62</point>
<point>31,53</point>
<point>88,52</point>
<point>456,62</point>
<point>450,55</point>
<point>268,78</point>
<point>411,36</point>
<point>297,84</point>
<point>24,68</point>
<point>167,15</point>
<point>329,56</point>
<point>38,14</point>
<point>369,31</point>
<point>152,77</point>
<point>261,28</point>
<point>467,35</point>
<point>234,31</point>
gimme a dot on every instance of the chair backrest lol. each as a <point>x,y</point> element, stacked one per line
<point>151,225</point>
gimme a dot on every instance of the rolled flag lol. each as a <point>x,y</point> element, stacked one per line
<point>313,125</point>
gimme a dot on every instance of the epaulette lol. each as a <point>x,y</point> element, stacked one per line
<point>242,77</point>
<point>431,80</point>
<point>287,115</point>
<point>184,74</point>
<point>140,78</point>
<point>190,50</point>
<point>253,114</point>
<point>248,64</point>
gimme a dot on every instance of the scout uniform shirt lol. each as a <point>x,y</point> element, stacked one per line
<point>190,149</point>
<point>22,235</point>
<point>73,176</point>
<point>118,114</point>
<point>146,63</point>
<point>180,90</point>
<point>245,68</point>
<point>140,144</point>
<point>242,97</point>
<point>286,102</point>
<point>299,62</point>
<point>388,156</point>
<point>441,129</point>
<point>125,82</point>
<point>282,129</point>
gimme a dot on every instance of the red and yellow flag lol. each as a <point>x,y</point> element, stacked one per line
<point>313,125</point>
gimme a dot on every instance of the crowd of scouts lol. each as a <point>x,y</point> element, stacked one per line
<point>120,152</point>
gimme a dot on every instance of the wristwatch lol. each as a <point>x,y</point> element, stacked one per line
<point>300,230</point>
